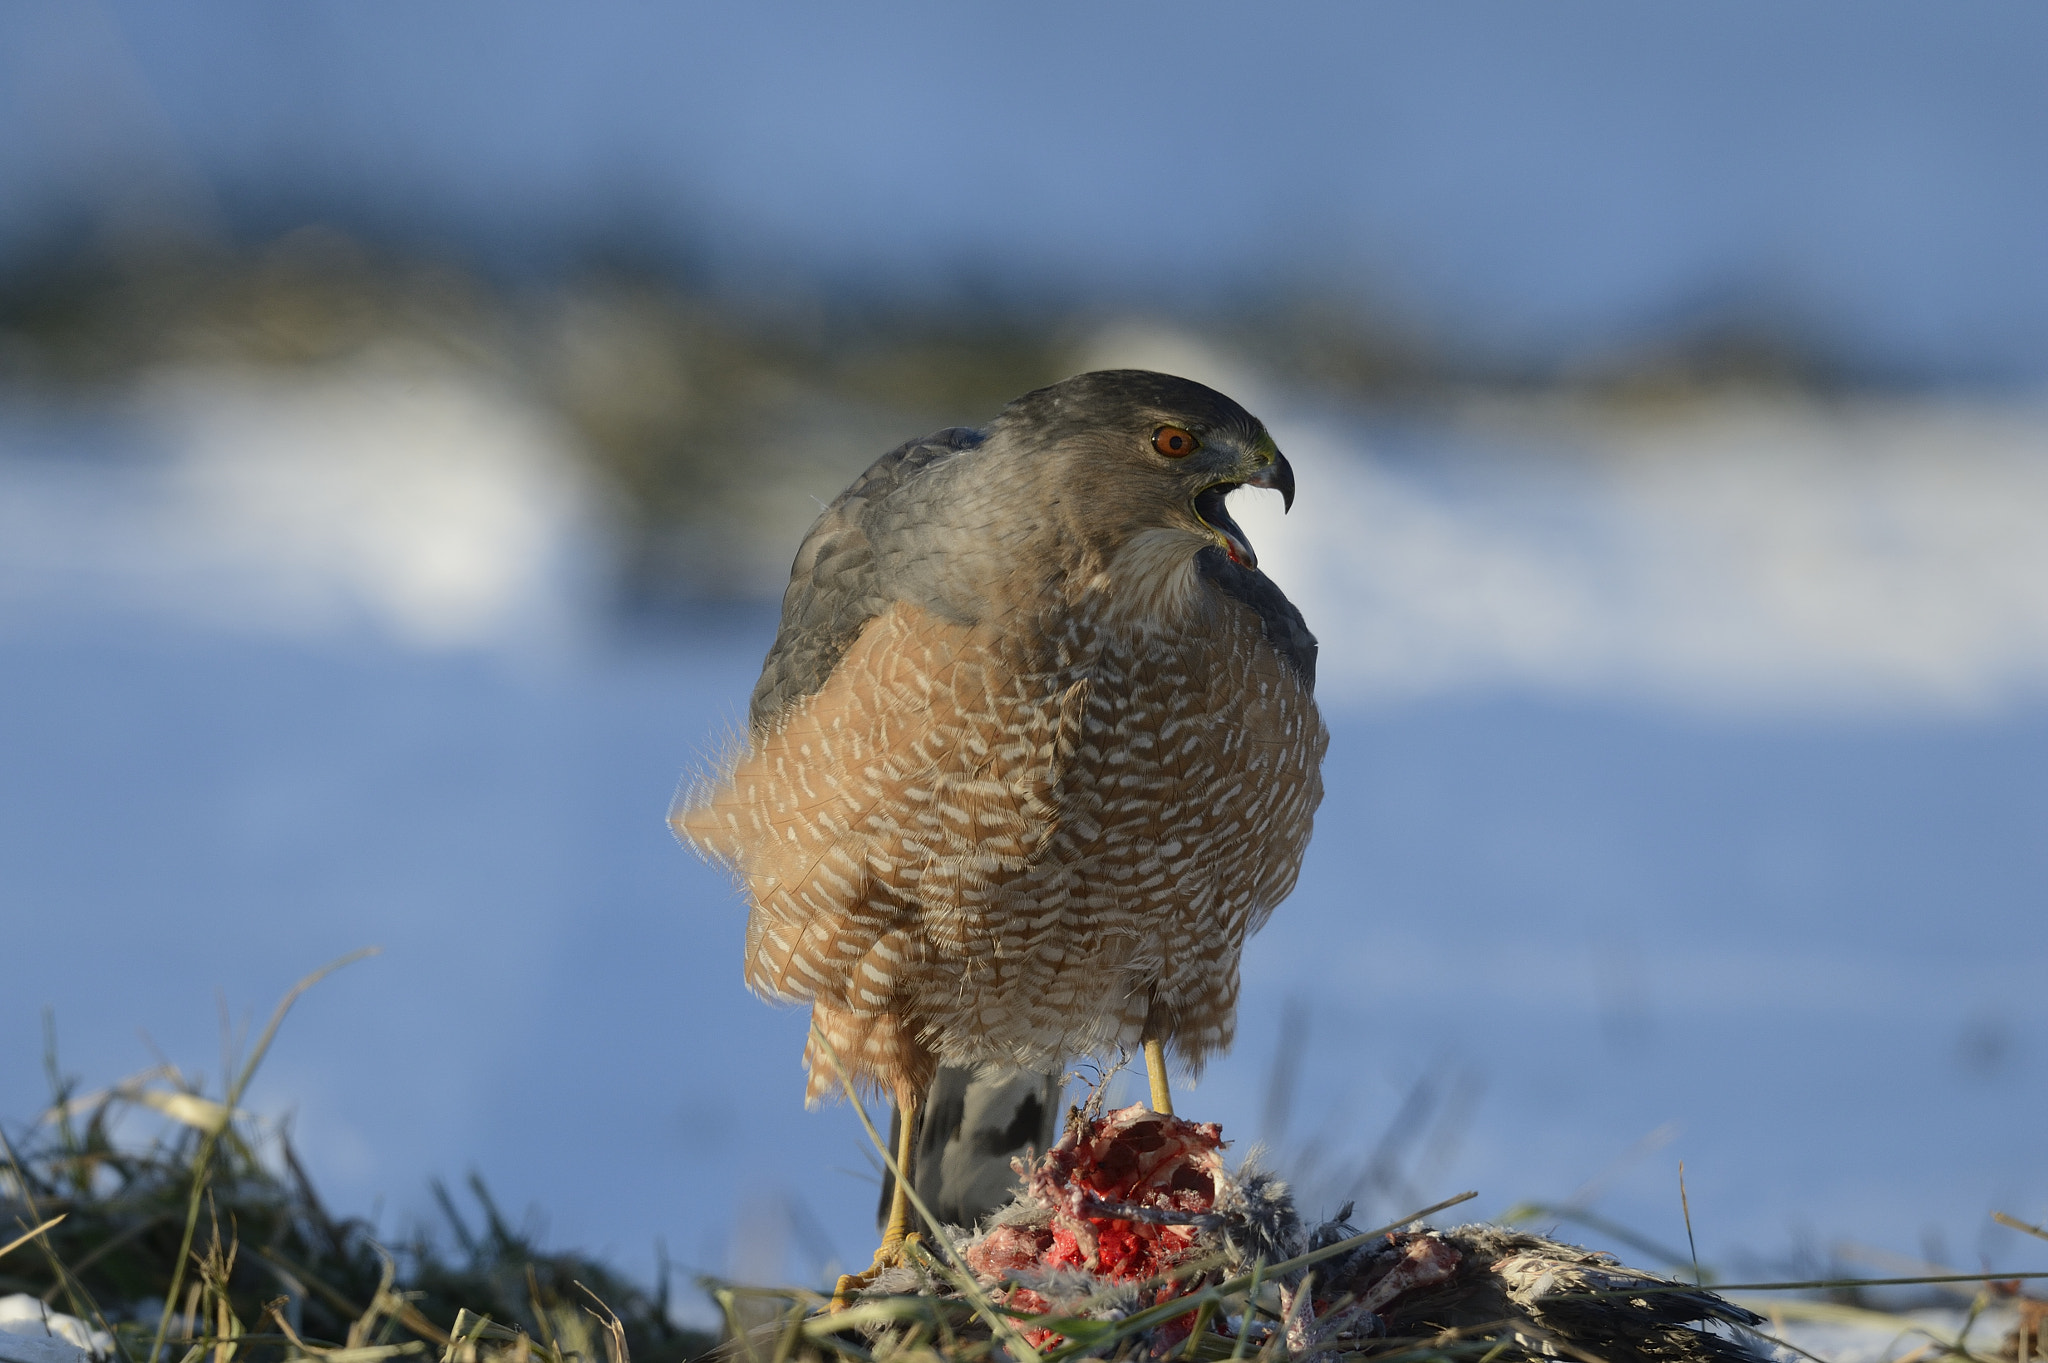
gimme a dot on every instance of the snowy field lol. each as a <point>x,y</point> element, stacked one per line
<point>1688,800</point>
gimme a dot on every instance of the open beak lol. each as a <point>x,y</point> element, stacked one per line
<point>1277,475</point>
<point>1209,506</point>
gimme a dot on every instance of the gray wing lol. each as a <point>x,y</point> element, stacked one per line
<point>834,586</point>
<point>1279,621</point>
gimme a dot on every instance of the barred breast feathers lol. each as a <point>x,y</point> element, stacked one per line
<point>918,774</point>
<point>896,830</point>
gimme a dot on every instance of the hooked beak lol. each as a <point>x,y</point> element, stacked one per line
<point>1275,474</point>
<point>1279,476</point>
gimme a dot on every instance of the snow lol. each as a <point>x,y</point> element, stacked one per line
<point>1686,802</point>
<point>31,1332</point>
<point>391,493</point>
<point>1767,556</point>
<point>1843,1334</point>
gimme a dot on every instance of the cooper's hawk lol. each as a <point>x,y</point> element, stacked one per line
<point>1035,749</point>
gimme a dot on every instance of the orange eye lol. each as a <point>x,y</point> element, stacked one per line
<point>1175,443</point>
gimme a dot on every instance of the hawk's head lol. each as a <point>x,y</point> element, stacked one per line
<point>1141,451</point>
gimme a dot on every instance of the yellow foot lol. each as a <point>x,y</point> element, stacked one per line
<point>890,1255</point>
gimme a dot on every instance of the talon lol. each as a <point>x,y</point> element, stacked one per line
<point>892,1254</point>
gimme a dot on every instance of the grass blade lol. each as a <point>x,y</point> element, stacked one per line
<point>20,1240</point>
<point>2000,1217</point>
<point>1811,1284</point>
<point>202,1164</point>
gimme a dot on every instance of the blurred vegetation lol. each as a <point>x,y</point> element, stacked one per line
<point>713,418</point>
<point>198,1235</point>
<point>701,414</point>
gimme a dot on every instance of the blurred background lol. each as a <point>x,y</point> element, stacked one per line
<point>408,413</point>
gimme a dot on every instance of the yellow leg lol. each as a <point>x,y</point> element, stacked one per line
<point>898,1228</point>
<point>891,1252</point>
<point>1155,1070</point>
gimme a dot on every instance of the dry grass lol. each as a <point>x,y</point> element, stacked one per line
<point>211,1239</point>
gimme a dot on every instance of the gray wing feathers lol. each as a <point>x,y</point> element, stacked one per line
<point>836,585</point>
<point>1279,620</point>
